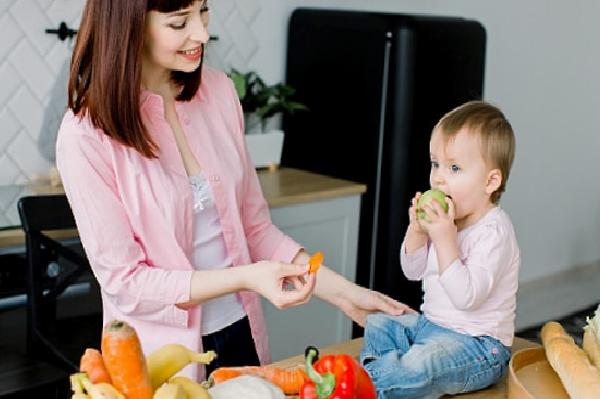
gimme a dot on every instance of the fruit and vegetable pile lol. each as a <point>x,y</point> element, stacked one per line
<point>121,371</point>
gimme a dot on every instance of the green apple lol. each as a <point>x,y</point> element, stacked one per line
<point>427,197</point>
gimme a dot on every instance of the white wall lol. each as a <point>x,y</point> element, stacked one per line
<point>543,70</point>
<point>34,73</point>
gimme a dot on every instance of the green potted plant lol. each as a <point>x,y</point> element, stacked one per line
<point>260,102</point>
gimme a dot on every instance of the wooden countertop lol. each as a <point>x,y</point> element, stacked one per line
<point>352,347</point>
<point>287,186</point>
<point>281,187</point>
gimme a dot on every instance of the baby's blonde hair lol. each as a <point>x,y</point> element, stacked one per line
<point>494,130</point>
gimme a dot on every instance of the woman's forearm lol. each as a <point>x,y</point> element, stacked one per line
<point>209,284</point>
<point>332,287</point>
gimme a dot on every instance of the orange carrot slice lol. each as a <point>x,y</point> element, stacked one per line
<point>315,262</point>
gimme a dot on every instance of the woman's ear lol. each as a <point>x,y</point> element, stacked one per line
<point>494,181</point>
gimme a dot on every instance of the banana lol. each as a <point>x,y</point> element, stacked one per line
<point>193,389</point>
<point>166,361</point>
<point>101,390</point>
<point>170,391</point>
<point>77,387</point>
<point>104,390</point>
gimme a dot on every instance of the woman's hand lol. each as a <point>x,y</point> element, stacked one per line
<point>359,302</point>
<point>355,301</point>
<point>282,284</point>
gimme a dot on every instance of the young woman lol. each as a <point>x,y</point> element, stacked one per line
<point>168,205</point>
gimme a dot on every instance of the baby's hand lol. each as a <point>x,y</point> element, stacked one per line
<point>438,223</point>
<point>414,224</point>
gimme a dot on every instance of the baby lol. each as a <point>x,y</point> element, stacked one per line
<point>468,260</point>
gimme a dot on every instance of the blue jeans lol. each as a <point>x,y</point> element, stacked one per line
<point>409,357</point>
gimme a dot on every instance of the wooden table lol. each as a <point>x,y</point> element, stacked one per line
<point>497,391</point>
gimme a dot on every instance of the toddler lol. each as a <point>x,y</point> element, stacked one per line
<point>468,260</point>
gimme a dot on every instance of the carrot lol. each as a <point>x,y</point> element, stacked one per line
<point>124,360</point>
<point>315,262</point>
<point>92,364</point>
<point>289,380</point>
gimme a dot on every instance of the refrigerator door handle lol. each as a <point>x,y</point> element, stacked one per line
<point>382,118</point>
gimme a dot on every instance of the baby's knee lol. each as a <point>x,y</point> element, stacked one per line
<point>381,321</point>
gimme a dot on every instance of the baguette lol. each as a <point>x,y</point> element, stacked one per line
<point>553,330</point>
<point>591,347</point>
<point>591,338</point>
<point>579,377</point>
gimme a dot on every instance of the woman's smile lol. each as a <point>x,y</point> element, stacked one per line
<point>193,54</point>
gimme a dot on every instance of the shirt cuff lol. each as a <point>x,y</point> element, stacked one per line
<point>179,291</point>
<point>287,250</point>
<point>417,257</point>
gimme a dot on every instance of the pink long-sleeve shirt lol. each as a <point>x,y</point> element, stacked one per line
<point>134,214</point>
<point>477,294</point>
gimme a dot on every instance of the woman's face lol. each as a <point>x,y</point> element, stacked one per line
<point>174,40</point>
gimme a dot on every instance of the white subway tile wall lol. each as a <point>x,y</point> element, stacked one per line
<point>33,74</point>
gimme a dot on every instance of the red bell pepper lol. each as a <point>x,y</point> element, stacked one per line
<point>335,377</point>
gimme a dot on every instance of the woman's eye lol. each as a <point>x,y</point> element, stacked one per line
<point>434,164</point>
<point>454,168</point>
<point>178,26</point>
<point>204,9</point>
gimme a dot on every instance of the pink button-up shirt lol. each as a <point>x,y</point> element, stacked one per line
<point>134,214</point>
<point>477,294</point>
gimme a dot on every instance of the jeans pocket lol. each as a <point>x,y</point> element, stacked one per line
<point>490,366</point>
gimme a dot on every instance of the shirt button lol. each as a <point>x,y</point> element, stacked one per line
<point>216,178</point>
<point>186,121</point>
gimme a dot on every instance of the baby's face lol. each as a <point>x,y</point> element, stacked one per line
<point>458,169</point>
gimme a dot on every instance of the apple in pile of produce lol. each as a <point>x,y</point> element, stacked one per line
<point>426,198</point>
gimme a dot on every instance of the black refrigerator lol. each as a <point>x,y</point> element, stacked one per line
<point>375,85</point>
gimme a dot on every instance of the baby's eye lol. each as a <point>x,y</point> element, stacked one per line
<point>434,164</point>
<point>454,168</point>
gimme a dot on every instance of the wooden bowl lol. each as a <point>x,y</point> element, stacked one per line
<point>530,376</point>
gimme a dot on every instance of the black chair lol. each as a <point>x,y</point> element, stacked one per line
<point>60,322</point>
<point>24,378</point>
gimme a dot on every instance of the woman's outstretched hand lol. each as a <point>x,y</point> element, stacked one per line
<point>282,284</point>
<point>358,302</point>
<point>355,301</point>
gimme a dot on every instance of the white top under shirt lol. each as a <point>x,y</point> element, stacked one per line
<point>209,252</point>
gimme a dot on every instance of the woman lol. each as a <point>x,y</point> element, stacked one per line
<point>167,202</point>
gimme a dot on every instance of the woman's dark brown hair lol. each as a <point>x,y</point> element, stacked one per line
<point>105,76</point>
